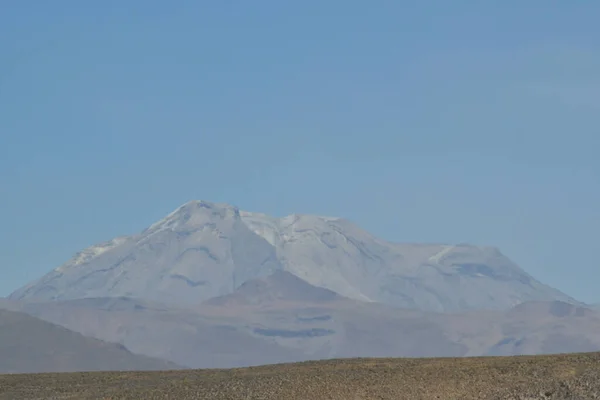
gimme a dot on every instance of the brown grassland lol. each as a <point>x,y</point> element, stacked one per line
<point>569,376</point>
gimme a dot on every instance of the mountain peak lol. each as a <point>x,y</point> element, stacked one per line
<point>222,210</point>
<point>205,249</point>
<point>193,214</point>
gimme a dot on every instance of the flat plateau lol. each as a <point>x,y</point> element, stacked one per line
<point>568,376</point>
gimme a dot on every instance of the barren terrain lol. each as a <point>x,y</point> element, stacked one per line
<point>573,376</point>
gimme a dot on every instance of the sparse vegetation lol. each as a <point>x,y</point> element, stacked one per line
<point>557,377</point>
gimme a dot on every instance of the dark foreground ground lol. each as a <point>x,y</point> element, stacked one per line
<point>574,376</point>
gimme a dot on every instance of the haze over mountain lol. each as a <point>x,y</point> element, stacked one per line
<point>28,344</point>
<point>282,318</point>
<point>212,286</point>
<point>204,250</point>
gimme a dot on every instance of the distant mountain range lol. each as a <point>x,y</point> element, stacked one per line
<point>212,286</point>
<point>204,250</point>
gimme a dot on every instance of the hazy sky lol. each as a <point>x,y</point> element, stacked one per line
<point>432,121</point>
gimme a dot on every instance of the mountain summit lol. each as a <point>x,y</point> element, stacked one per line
<point>204,250</point>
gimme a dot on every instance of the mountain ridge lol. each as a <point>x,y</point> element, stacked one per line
<point>29,344</point>
<point>203,250</point>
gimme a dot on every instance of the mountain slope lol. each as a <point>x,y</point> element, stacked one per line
<point>28,344</point>
<point>204,250</point>
<point>338,255</point>
<point>278,289</point>
<point>342,327</point>
<point>282,318</point>
<point>199,251</point>
<point>185,337</point>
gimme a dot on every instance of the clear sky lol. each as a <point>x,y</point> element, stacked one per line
<point>438,121</point>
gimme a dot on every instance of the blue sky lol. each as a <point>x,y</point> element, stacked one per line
<point>439,122</point>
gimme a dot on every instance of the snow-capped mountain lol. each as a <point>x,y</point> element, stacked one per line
<point>203,250</point>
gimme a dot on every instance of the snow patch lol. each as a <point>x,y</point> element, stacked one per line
<point>438,256</point>
<point>91,252</point>
<point>275,230</point>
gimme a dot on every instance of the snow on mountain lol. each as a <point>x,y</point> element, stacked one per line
<point>204,250</point>
<point>201,250</point>
<point>92,252</point>
<point>336,254</point>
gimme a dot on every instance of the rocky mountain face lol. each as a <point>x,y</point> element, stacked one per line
<point>204,250</point>
<point>28,344</point>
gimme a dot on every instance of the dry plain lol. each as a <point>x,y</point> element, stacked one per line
<point>568,376</point>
